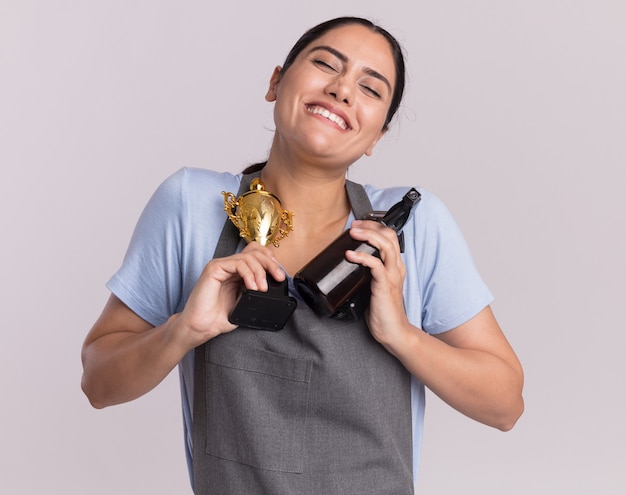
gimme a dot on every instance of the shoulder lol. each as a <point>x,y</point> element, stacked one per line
<point>193,179</point>
<point>193,188</point>
<point>442,281</point>
<point>187,194</point>
<point>430,227</point>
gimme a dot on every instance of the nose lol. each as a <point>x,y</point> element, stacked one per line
<point>341,90</point>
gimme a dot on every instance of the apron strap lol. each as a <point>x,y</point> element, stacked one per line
<point>359,201</point>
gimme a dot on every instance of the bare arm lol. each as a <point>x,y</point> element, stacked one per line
<point>125,357</point>
<point>472,367</point>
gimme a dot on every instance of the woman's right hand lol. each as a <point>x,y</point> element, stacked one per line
<point>124,356</point>
<point>206,313</point>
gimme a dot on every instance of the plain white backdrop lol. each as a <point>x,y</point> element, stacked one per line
<point>515,115</point>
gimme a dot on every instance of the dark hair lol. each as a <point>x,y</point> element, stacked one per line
<point>321,29</point>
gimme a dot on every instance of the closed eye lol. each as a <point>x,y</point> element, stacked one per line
<point>323,64</point>
<point>370,91</point>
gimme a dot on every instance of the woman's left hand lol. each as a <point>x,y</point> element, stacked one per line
<point>386,316</point>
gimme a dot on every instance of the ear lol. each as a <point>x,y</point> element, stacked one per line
<point>370,149</point>
<point>274,80</point>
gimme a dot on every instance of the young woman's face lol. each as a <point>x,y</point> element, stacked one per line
<point>333,101</point>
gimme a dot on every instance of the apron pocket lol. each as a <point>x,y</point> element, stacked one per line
<point>256,404</point>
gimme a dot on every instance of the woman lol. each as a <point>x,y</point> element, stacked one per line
<point>323,406</point>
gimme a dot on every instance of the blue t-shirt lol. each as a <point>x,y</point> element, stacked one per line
<point>178,231</point>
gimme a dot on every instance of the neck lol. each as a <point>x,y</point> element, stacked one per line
<point>311,190</point>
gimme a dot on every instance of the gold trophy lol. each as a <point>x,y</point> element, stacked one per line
<point>259,216</point>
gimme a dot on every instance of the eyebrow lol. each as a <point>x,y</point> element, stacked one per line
<point>369,71</point>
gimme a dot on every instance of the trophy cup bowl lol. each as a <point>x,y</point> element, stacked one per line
<point>259,217</point>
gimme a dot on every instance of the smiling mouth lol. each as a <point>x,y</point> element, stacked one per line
<point>323,112</point>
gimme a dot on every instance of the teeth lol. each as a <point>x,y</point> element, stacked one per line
<point>329,115</point>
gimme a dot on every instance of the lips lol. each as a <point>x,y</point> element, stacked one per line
<point>327,114</point>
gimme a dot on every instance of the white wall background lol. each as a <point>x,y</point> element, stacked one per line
<point>515,116</point>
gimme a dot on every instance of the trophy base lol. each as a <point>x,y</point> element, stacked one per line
<point>264,310</point>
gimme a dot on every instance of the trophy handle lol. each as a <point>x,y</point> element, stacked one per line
<point>286,217</point>
<point>230,206</point>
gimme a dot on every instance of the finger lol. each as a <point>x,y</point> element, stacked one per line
<point>381,237</point>
<point>267,259</point>
<point>253,273</point>
<point>258,265</point>
<point>238,266</point>
<point>365,259</point>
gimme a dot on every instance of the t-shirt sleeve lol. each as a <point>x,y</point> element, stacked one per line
<point>149,280</point>
<point>452,290</point>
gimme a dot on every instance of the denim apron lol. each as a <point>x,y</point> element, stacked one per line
<point>317,408</point>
